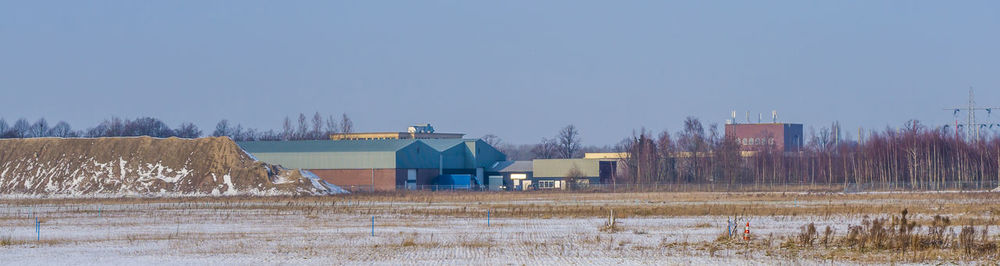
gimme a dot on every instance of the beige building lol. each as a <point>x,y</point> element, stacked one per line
<point>418,131</point>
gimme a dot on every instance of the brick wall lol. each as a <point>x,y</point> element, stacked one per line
<point>360,179</point>
<point>785,137</point>
<point>385,179</point>
<point>757,136</point>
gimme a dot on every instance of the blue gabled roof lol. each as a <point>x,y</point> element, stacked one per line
<point>511,167</point>
<point>445,144</point>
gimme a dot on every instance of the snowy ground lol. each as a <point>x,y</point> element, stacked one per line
<point>331,232</point>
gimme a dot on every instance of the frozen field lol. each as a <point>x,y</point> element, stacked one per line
<point>523,229</point>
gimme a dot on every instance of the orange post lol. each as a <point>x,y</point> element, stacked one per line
<point>746,233</point>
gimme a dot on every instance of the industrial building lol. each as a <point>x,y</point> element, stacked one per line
<point>550,173</point>
<point>423,159</point>
<point>541,174</point>
<point>757,137</point>
<point>510,175</point>
<point>760,136</point>
<point>384,164</point>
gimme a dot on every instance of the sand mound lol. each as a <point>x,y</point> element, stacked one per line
<point>144,166</point>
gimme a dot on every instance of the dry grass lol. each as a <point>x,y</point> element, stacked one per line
<point>8,241</point>
<point>902,239</point>
<point>564,204</point>
<point>952,226</point>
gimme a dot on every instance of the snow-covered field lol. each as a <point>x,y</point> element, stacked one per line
<point>304,231</point>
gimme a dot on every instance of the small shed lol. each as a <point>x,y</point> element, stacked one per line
<point>510,175</point>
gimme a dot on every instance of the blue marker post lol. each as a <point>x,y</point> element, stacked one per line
<point>38,233</point>
<point>373,225</point>
<point>729,227</point>
<point>487,218</point>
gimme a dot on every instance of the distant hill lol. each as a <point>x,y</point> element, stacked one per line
<point>144,166</point>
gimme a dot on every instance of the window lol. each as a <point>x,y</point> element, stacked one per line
<point>546,184</point>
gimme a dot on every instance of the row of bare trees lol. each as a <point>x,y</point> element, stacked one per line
<point>566,143</point>
<point>114,127</point>
<point>915,157</point>
<point>317,128</point>
<point>320,128</point>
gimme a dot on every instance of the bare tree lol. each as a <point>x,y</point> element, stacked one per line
<point>692,141</point>
<point>39,129</point>
<point>568,141</point>
<point>286,129</point>
<point>114,128</point>
<point>666,150</point>
<point>331,126</point>
<point>20,128</point>
<point>572,176</point>
<point>494,141</point>
<point>222,129</point>
<point>547,149</point>
<point>317,132</point>
<point>346,125</point>
<point>518,152</point>
<point>269,135</point>
<point>303,131</point>
<point>147,126</point>
<point>3,127</point>
<point>250,134</point>
<point>188,130</point>
<point>238,134</point>
<point>62,130</point>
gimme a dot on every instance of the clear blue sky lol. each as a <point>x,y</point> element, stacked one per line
<point>517,69</point>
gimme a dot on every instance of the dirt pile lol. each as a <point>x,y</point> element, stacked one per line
<point>144,166</point>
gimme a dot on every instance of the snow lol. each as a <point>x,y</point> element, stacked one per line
<point>89,177</point>
<point>161,172</point>
<point>321,184</point>
<point>264,233</point>
<point>231,189</point>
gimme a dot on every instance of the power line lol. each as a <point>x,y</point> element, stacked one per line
<point>970,124</point>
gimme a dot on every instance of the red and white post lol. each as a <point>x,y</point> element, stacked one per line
<point>746,233</point>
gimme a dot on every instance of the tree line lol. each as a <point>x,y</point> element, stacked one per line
<point>567,143</point>
<point>316,128</point>
<point>915,157</point>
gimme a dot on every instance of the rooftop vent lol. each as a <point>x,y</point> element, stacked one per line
<point>421,128</point>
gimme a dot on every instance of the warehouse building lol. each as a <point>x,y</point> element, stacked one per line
<point>462,158</point>
<point>383,164</point>
<point>552,173</point>
<point>542,174</point>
